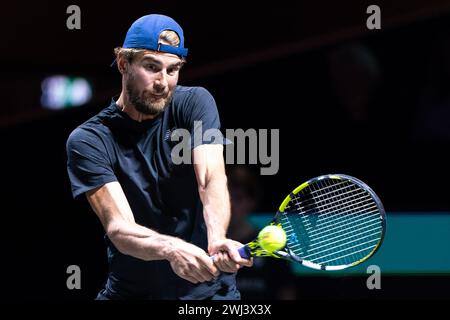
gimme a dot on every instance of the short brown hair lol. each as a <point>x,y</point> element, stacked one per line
<point>167,37</point>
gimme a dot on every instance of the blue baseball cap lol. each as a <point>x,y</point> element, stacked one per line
<point>144,34</point>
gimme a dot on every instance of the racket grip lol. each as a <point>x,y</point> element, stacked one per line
<point>244,252</point>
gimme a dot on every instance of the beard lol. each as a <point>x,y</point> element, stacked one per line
<point>145,101</point>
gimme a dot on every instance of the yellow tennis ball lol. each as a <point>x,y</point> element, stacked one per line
<point>272,238</point>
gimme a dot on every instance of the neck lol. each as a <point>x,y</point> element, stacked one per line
<point>125,105</point>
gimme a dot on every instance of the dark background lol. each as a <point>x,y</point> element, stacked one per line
<point>278,65</point>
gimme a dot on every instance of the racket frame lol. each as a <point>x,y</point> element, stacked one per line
<point>254,249</point>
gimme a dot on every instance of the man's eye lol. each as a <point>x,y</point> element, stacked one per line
<point>172,71</point>
<point>150,67</point>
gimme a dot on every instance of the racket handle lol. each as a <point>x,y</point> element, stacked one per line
<point>245,252</point>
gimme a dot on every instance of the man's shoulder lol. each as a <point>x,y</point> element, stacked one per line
<point>187,99</point>
<point>184,92</point>
<point>82,136</point>
<point>91,129</point>
<point>82,132</point>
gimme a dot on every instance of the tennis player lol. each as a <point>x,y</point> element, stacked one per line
<point>163,221</point>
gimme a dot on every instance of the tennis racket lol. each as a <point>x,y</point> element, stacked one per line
<point>331,222</point>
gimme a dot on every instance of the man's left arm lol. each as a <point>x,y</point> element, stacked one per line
<point>209,169</point>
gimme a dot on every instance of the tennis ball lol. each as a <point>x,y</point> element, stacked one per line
<point>272,238</point>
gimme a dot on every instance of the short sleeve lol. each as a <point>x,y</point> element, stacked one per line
<point>202,117</point>
<point>88,164</point>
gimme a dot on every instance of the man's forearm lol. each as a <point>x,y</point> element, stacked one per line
<point>216,207</point>
<point>112,208</point>
<point>140,242</point>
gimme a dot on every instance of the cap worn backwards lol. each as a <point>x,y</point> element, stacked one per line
<point>144,34</point>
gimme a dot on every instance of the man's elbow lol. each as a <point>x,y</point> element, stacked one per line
<point>114,231</point>
<point>214,179</point>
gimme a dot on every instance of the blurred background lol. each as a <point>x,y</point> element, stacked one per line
<point>374,104</point>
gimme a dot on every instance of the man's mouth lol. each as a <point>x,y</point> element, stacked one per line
<point>158,96</point>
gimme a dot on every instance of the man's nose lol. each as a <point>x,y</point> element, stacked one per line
<point>161,79</point>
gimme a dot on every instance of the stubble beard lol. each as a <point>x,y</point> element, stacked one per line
<point>145,102</point>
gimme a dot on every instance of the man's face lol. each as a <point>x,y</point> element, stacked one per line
<point>150,81</point>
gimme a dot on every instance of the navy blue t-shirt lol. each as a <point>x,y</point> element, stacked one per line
<point>163,196</point>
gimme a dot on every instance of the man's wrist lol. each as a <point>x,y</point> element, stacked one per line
<point>212,242</point>
<point>169,247</point>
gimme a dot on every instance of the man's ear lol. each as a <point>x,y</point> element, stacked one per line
<point>122,63</point>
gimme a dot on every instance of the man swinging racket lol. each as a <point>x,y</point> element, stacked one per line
<point>163,221</point>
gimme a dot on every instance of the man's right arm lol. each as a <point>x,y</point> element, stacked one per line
<point>111,206</point>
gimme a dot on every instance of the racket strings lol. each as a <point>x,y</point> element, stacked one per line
<point>346,244</point>
<point>360,230</point>
<point>313,200</point>
<point>366,202</point>
<point>341,218</point>
<point>333,222</point>
<point>365,224</point>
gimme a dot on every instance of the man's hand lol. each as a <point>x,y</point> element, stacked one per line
<point>191,262</point>
<point>226,256</point>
